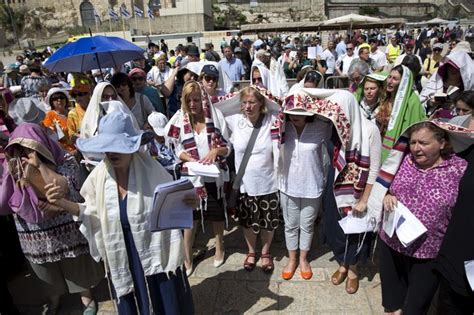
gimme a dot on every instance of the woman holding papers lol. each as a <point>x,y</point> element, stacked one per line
<point>426,183</point>
<point>198,133</point>
<point>145,269</point>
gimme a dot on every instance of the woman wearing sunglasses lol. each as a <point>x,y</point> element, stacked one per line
<point>464,110</point>
<point>138,103</point>
<point>81,95</point>
<point>56,118</point>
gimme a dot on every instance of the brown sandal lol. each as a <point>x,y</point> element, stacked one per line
<point>248,265</point>
<point>268,268</point>
<point>352,285</point>
<point>338,277</point>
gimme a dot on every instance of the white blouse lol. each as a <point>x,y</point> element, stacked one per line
<point>302,171</point>
<point>260,176</point>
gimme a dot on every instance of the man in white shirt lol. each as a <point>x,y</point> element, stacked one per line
<point>329,55</point>
<point>345,60</point>
<point>409,48</point>
<point>379,58</point>
<point>159,73</point>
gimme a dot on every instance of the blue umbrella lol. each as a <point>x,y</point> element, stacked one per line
<point>94,52</point>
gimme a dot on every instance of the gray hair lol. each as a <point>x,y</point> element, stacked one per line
<point>360,66</point>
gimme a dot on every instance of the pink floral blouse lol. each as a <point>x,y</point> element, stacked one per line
<point>430,195</point>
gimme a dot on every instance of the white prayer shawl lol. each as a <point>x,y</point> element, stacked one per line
<point>268,80</point>
<point>276,71</point>
<point>358,142</point>
<point>158,251</point>
<point>465,64</point>
<point>295,88</point>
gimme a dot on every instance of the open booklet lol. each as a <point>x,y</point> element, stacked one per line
<point>169,210</point>
<point>403,222</point>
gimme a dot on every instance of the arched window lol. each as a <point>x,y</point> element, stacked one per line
<point>87,13</point>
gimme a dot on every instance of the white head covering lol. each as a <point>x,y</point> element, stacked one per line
<point>225,83</point>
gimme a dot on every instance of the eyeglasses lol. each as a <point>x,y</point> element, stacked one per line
<point>138,79</point>
<point>257,79</point>
<point>80,94</point>
<point>210,78</point>
<point>57,98</point>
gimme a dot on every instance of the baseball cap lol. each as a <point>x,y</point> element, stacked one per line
<point>158,122</point>
<point>210,70</point>
<point>247,42</point>
<point>193,51</point>
<point>258,43</point>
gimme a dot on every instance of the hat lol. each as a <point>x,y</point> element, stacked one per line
<point>24,69</point>
<point>210,70</point>
<point>247,42</point>
<point>10,68</point>
<point>262,52</point>
<point>378,76</point>
<point>25,109</point>
<point>116,134</point>
<point>410,43</point>
<point>193,51</point>
<point>258,43</point>
<point>137,71</point>
<point>237,50</point>
<point>438,46</point>
<point>158,122</point>
<point>80,87</point>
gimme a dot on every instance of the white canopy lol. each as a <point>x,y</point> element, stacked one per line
<point>351,19</point>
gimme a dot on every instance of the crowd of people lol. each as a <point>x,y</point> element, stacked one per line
<point>81,155</point>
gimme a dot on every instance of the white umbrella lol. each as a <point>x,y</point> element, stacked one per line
<point>351,19</point>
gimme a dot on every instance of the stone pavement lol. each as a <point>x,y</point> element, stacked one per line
<point>230,289</point>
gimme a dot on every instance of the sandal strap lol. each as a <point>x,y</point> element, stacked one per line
<point>269,256</point>
<point>251,255</point>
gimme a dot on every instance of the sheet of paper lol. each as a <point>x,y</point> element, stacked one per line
<point>469,267</point>
<point>355,225</point>
<point>199,169</point>
<point>409,228</point>
<point>390,221</point>
<point>312,53</point>
<point>169,210</point>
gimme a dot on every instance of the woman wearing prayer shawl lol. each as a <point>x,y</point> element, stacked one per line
<point>104,99</point>
<point>198,133</point>
<point>262,77</point>
<point>455,294</point>
<point>422,174</point>
<point>370,95</point>
<point>400,108</point>
<point>356,163</point>
<point>55,248</point>
<point>456,69</point>
<point>258,206</point>
<point>145,268</point>
<point>311,79</point>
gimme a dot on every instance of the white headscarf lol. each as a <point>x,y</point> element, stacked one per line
<point>224,85</point>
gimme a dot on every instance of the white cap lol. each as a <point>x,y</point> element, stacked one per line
<point>158,121</point>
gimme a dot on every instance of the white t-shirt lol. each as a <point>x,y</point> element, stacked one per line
<point>380,60</point>
<point>346,62</point>
<point>259,177</point>
<point>301,165</point>
<point>330,59</point>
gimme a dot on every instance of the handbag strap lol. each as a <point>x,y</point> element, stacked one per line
<point>248,152</point>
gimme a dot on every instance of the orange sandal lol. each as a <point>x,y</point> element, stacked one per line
<point>248,265</point>
<point>268,268</point>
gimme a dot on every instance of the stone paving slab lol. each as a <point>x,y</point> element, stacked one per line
<point>230,289</point>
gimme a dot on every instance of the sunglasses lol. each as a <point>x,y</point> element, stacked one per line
<point>313,76</point>
<point>350,48</point>
<point>80,94</point>
<point>57,98</point>
<point>258,79</point>
<point>437,49</point>
<point>138,79</point>
<point>210,78</point>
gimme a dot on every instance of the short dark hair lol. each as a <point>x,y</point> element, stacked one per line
<point>119,78</point>
<point>438,133</point>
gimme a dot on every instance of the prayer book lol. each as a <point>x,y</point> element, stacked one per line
<point>199,169</point>
<point>169,210</point>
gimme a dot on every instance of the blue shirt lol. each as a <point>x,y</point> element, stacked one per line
<point>234,68</point>
<point>155,99</point>
<point>341,48</point>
